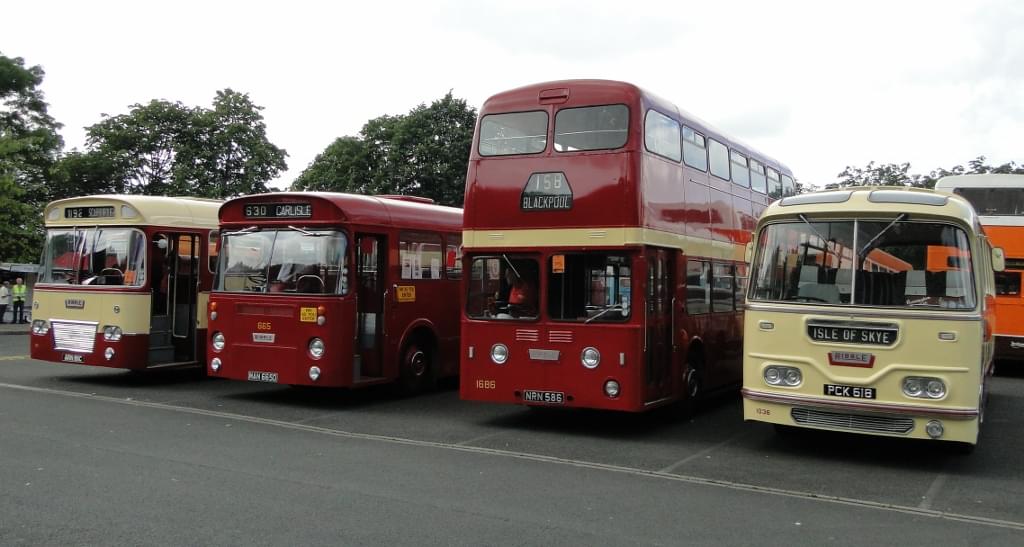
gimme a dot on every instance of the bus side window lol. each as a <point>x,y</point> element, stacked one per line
<point>453,256</point>
<point>698,288</point>
<point>212,250</point>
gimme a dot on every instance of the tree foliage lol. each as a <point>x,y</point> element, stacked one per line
<point>29,146</point>
<point>892,174</point>
<point>424,153</point>
<point>168,148</point>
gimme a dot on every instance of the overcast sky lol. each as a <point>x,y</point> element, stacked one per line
<point>819,85</point>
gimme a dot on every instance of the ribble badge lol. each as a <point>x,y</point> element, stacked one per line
<point>546,192</point>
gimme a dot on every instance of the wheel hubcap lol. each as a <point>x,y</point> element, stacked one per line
<point>417,363</point>
<point>692,382</point>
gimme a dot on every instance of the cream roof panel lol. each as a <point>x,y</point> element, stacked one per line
<point>859,205</point>
<point>185,212</point>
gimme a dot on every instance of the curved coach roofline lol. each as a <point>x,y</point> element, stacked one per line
<point>355,208</point>
<point>858,203</point>
<point>512,100</point>
<point>186,212</point>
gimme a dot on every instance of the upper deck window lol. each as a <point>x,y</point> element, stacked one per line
<point>719,155</point>
<point>283,261</point>
<point>740,171</point>
<point>788,187</point>
<point>758,182</point>
<point>515,133</point>
<point>994,201</point>
<point>774,184</point>
<point>661,135</point>
<point>95,256</point>
<point>891,264</point>
<point>695,152</point>
<point>591,128</point>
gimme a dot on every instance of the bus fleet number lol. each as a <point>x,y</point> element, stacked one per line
<point>263,325</point>
<point>486,384</point>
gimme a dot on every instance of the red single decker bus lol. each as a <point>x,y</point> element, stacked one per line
<point>605,232</point>
<point>336,290</point>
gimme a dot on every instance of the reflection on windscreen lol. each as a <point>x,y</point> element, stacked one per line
<point>897,264</point>
<point>591,128</point>
<point>516,133</point>
<point>589,287</point>
<point>95,256</point>
<point>283,261</point>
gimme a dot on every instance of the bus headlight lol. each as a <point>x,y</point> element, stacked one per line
<point>39,326</point>
<point>777,375</point>
<point>316,350</point>
<point>112,333</point>
<point>923,387</point>
<point>590,357</point>
<point>215,364</point>
<point>217,341</point>
<point>499,354</point>
<point>611,388</point>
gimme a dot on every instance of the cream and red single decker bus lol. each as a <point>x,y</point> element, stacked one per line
<point>124,281</point>
<point>871,310</point>
<point>605,232</point>
<point>338,290</point>
<point>999,202</point>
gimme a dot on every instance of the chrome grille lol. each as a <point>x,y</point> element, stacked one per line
<point>560,336</point>
<point>73,335</point>
<point>854,422</point>
<point>527,335</point>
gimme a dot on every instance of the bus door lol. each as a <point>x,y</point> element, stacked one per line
<point>371,268</point>
<point>658,325</point>
<point>161,350</point>
<point>184,283</point>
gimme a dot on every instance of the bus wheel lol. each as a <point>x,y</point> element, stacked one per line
<point>694,387</point>
<point>416,372</point>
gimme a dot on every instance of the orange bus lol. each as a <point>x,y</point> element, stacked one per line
<point>604,233</point>
<point>336,290</point>
<point>124,281</point>
<point>999,201</point>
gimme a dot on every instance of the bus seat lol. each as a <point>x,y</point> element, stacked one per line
<point>808,275</point>
<point>954,284</point>
<point>844,277</point>
<point>915,283</point>
<point>820,292</point>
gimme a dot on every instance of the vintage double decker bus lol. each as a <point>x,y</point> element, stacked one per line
<point>124,281</point>
<point>871,310</point>
<point>336,290</point>
<point>604,234</point>
<point>999,202</point>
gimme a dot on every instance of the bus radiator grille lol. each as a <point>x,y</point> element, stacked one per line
<point>73,336</point>
<point>854,422</point>
<point>527,335</point>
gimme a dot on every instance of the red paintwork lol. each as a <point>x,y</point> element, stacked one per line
<point>627,187</point>
<point>240,314</point>
<point>129,351</point>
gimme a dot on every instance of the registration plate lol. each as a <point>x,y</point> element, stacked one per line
<point>257,376</point>
<point>545,397</point>
<point>852,392</point>
<point>73,358</point>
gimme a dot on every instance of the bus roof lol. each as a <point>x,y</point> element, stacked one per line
<point>986,180</point>
<point>335,207</point>
<point>124,209</point>
<point>883,201</point>
<point>595,91</point>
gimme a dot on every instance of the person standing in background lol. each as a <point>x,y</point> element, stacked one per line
<point>5,300</point>
<point>19,291</point>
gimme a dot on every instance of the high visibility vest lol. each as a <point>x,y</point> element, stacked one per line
<point>19,292</point>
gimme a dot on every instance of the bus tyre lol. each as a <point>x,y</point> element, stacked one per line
<point>416,371</point>
<point>694,380</point>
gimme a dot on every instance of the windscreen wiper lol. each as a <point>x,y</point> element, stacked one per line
<point>903,216</point>
<point>305,232</point>
<point>242,231</point>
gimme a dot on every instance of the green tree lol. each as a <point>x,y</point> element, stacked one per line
<point>29,146</point>
<point>424,153</point>
<point>165,148</point>
<point>892,174</point>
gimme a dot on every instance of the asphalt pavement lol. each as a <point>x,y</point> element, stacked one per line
<point>98,456</point>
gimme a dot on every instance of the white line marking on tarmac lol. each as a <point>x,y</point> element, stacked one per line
<point>702,453</point>
<point>742,487</point>
<point>933,491</point>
